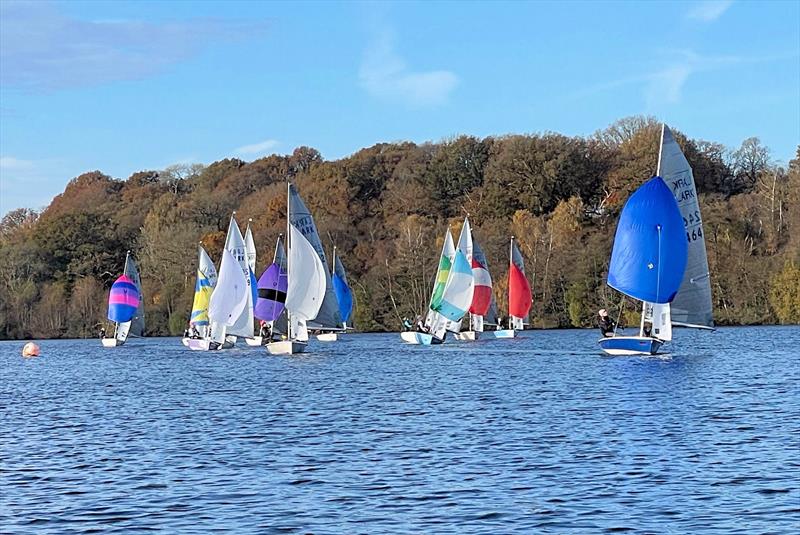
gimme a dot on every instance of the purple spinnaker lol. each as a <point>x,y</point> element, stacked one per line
<point>271,293</point>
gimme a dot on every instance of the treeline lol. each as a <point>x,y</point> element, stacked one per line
<point>386,208</point>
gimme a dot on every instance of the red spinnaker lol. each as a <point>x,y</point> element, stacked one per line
<point>519,292</point>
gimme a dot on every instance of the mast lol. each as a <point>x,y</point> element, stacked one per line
<point>275,254</point>
<point>660,150</point>
<point>333,261</point>
<point>288,254</point>
<point>510,261</point>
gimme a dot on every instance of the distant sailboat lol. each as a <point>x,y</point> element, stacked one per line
<point>307,283</point>
<point>344,297</point>
<point>440,281</point>
<point>482,296</point>
<point>271,297</point>
<point>519,294</point>
<point>204,286</point>
<point>230,307</point>
<point>328,319</point>
<point>449,306</point>
<point>648,261</point>
<point>126,305</point>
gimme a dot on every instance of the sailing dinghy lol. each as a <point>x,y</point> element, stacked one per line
<point>481,297</point>
<point>306,286</point>
<point>691,306</point>
<point>230,307</point>
<point>126,305</point>
<point>204,286</point>
<point>327,321</point>
<point>452,301</point>
<point>442,273</point>
<point>648,262</point>
<point>271,297</point>
<point>344,297</point>
<point>519,294</point>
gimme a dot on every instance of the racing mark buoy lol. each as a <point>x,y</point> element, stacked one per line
<point>30,350</point>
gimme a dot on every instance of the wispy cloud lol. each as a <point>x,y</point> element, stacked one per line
<point>42,49</point>
<point>258,148</point>
<point>708,10</point>
<point>9,163</point>
<point>665,84</point>
<point>384,74</point>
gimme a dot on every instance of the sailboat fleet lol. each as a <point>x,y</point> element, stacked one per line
<point>658,258</point>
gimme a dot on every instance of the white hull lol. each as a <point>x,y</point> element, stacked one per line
<point>204,344</point>
<point>185,341</point>
<point>256,341</point>
<point>630,345</point>
<point>286,347</point>
<point>112,342</point>
<point>468,336</point>
<point>418,338</point>
<point>504,333</point>
<point>327,337</point>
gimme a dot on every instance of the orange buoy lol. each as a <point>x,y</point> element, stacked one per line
<point>30,350</point>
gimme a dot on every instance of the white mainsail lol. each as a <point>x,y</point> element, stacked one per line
<point>234,244</point>
<point>692,306</point>
<point>229,298</point>
<point>250,253</point>
<point>306,285</point>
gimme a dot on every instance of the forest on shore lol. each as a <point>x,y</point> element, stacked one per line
<point>386,209</point>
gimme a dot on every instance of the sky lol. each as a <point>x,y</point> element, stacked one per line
<point>127,86</point>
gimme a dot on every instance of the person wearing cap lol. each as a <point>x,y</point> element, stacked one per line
<point>605,323</point>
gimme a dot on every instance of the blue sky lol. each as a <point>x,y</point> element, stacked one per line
<point>127,86</point>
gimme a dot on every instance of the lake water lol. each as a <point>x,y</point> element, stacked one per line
<point>540,434</point>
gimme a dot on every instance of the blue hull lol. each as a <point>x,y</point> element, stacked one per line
<point>630,345</point>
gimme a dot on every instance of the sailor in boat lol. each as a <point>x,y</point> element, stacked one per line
<point>605,323</point>
<point>187,332</point>
<point>194,333</point>
<point>407,324</point>
<point>265,332</point>
<point>421,327</point>
<point>102,332</point>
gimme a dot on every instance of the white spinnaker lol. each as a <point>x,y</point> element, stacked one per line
<point>692,304</point>
<point>307,281</point>
<point>230,294</point>
<point>234,244</point>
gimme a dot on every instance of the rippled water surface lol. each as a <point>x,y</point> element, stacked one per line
<point>539,434</point>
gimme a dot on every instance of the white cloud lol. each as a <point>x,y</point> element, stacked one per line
<point>44,49</point>
<point>384,74</point>
<point>709,10</point>
<point>258,148</point>
<point>9,163</point>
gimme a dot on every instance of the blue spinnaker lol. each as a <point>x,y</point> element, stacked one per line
<point>344,296</point>
<point>649,255</point>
